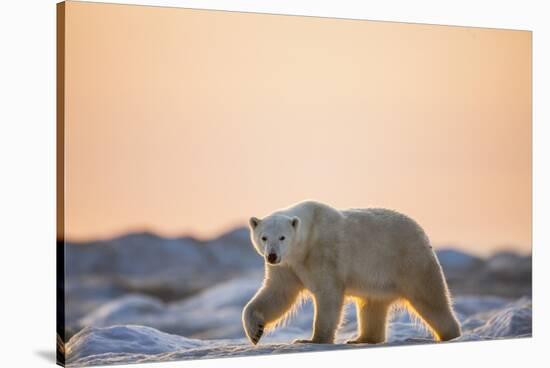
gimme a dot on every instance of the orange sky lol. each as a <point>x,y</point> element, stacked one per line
<point>185,121</point>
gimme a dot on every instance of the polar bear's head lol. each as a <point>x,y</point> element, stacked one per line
<point>274,236</point>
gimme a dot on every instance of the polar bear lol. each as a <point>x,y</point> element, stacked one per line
<point>377,257</point>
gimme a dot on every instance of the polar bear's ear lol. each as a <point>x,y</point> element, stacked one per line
<point>254,222</point>
<point>295,222</point>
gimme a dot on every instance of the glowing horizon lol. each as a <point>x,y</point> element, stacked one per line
<point>173,115</point>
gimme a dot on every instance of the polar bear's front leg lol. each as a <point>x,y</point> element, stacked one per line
<point>328,311</point>
<point>276,297</point>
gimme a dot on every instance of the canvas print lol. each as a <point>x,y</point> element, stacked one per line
<point>234,184</point>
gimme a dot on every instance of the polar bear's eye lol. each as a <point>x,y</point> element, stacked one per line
<point>282,238</point>
<point>264,238</point>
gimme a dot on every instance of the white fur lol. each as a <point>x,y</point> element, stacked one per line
<point>376,256</point>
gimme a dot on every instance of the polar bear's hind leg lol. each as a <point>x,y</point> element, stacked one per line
<point>439,319</point>
<point>431,302</point>
<point>372,315</point>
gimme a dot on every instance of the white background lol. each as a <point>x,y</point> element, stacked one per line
<point>27,179</point>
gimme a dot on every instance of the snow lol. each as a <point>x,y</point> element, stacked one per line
<point>222,304</point>
<point>144,298</point>
<point>130,343</point>
<point>124,340</point>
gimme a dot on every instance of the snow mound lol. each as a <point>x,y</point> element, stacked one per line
<point>126,340</point>
<point>512,320</point>
<point>124,311</point>
<point>213,313</point>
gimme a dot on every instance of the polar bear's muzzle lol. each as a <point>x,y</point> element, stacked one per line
<point>272,258</point>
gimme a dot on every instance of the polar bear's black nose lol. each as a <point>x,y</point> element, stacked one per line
<point>272,257</point>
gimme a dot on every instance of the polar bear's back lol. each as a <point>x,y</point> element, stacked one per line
<point>374,250</point>
<point>374,222</point>
<point>384,249</point>
<point>389,231</point>
<point>364,227</point>
<point>383,221</point>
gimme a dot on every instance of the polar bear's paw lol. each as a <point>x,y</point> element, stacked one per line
<point>253,325</point>
<point>256,333</point>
